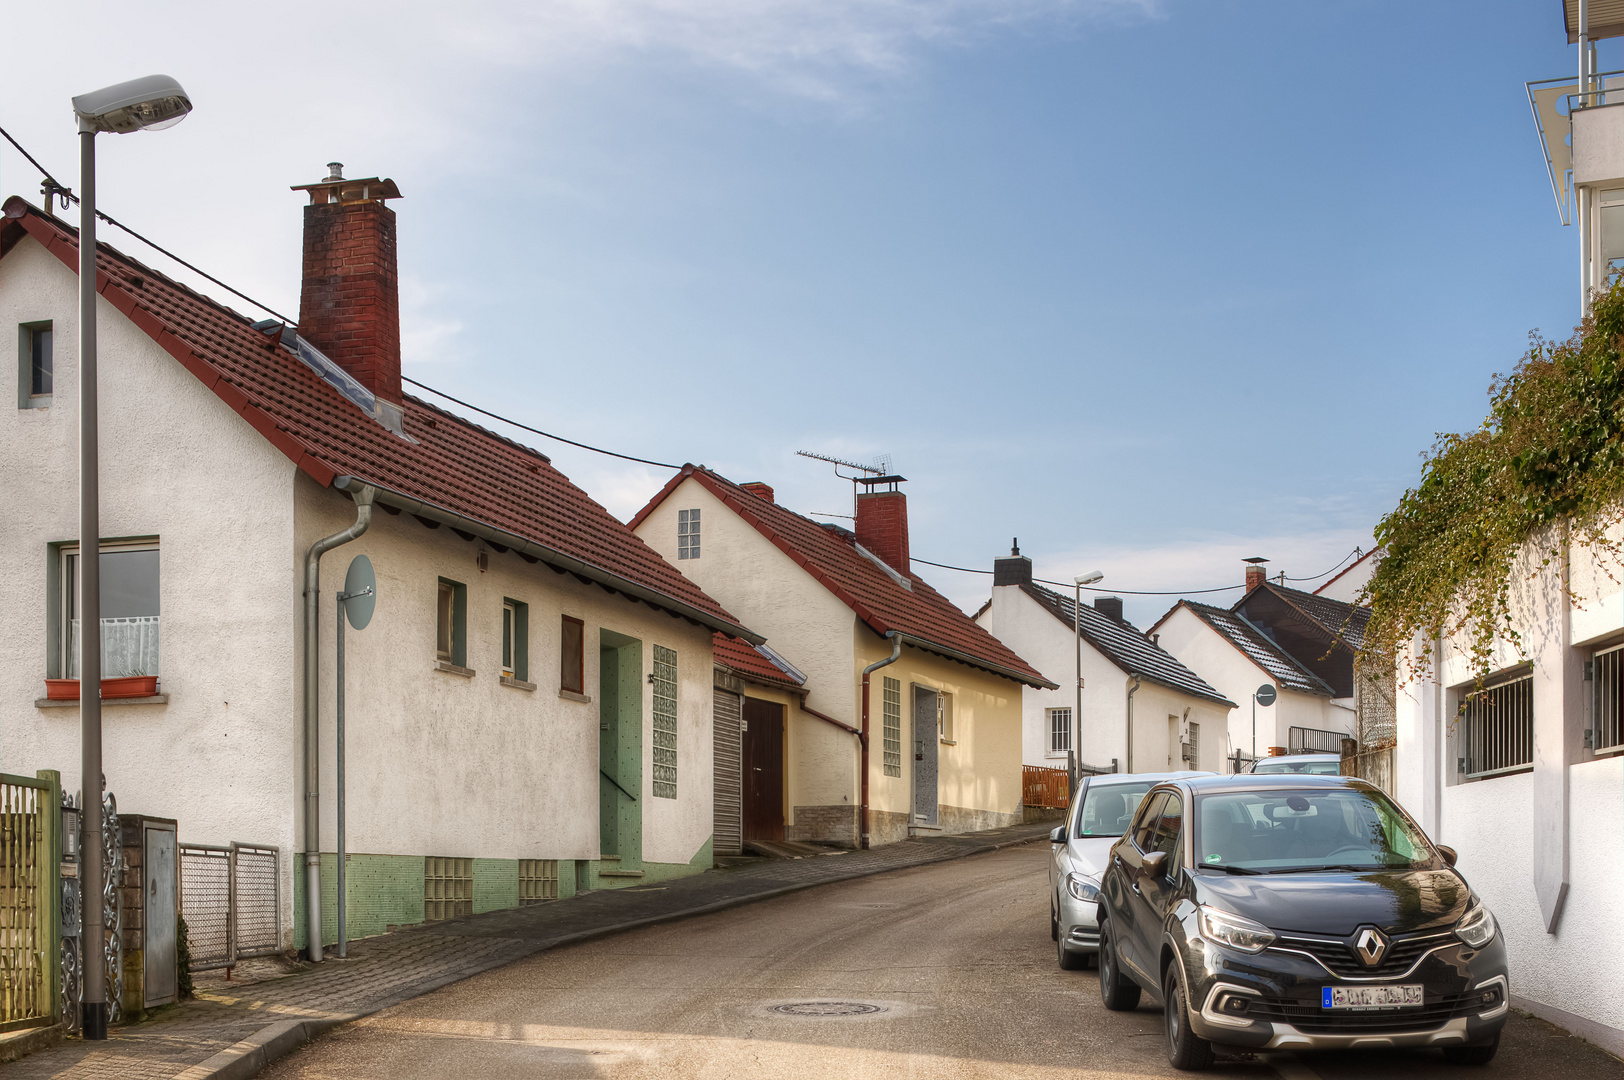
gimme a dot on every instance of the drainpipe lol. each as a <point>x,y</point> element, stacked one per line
<point>862,803</point>
<point>1131,691</point>
<point>312,712</point>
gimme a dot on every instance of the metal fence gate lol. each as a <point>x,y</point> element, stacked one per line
<point>230,898</point>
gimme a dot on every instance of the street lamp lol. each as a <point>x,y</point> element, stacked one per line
<point>156,101</point>
<point>1077,629</point>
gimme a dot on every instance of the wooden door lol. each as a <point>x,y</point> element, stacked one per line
<point>763,761</point>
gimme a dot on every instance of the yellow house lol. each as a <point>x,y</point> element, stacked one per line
<point>901,715</point>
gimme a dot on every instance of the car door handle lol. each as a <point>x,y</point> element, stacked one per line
<point>1135,888</point>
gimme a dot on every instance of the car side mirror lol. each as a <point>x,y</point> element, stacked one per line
<point>1449,854</point>
<point>1057,836</point>
<point>1155,863</point>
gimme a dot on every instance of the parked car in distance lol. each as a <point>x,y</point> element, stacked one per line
<point>1102,808</point>
<point>1304,764</point>
<point>1294,912</point>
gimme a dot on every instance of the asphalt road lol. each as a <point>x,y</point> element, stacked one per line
<point>954,959</point>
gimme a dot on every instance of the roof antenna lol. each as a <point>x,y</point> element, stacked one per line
<point>837,463</point>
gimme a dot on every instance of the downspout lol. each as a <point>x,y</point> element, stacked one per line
<point>1131,691</point>
<point>312,712</point>
<point>862,803</point>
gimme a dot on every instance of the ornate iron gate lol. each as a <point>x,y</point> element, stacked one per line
<point>71,954</point>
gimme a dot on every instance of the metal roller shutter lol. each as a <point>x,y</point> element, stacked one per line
<point>728,838</point>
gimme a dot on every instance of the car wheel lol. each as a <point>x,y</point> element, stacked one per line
<point>1472,1055</point>
<point>1118,992</point>
<point>1069,961</point>
<point>1185,1049</point>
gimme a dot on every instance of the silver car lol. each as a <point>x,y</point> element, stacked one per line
<point>1305,764</point>
<point>1079,850</point>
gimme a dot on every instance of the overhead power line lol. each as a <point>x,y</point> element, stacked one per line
<point>1090,588</point>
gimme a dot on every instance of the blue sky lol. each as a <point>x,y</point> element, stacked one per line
<point>1153,285</point>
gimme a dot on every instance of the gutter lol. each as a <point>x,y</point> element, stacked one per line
<point>363,494</point>
<point>541,552</point>
<point>862,804</point>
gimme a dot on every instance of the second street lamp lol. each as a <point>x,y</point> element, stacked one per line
<point>156,101</point>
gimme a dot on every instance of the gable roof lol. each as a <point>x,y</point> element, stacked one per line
<point>752,663</point>
<point>1124,645</point>
<point>883,599</point>
<point>1350,568</point>
<point>450,470</point>
<point>1340,621</point>
<point>1274,661</point>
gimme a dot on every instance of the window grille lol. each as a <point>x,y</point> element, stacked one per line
<point>687,534</point>
<point>538,880</point>
<point>1497,729</point>
<point>1059,731</point>
<point>1607,719</point>
<point>892,696</point>
<point>665,722</point>
<point>448,888</point>
<point>1192,749</point>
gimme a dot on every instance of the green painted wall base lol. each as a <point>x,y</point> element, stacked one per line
<point>652,871</point>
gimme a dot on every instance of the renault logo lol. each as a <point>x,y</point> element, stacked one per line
<point>1371,945</point>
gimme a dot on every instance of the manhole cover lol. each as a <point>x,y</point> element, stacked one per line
<point>828,1008</point>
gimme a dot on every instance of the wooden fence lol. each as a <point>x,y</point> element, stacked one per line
<point>29,822</point>
<point>1046,789</point>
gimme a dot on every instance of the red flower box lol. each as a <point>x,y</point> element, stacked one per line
<point>129,686</point>
<point>62,689</point>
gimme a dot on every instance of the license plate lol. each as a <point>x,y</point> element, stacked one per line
<point>1371,997</point>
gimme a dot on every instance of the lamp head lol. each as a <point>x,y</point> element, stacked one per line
<point>153,102</point>
<point>1090,578</point>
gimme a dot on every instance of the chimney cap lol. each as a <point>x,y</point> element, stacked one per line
<point>1255,560</point>
<point>872,480</point>
<point>367,189</point>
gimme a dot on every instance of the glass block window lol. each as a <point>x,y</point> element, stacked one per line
<point>1059,731</point>
<point>665,722</point>
<point>1497,729</point>
<point>893,727</point>
<point>687,534</point>
<point>538,880</point>
<point>448,888</point>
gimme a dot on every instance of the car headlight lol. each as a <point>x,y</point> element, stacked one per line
<point>1082,887</point>
<point>1476,927</point>
<point>1235,932</point>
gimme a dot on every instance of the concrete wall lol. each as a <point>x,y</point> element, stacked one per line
<point>1228,670</point>
<point>1044,642</point>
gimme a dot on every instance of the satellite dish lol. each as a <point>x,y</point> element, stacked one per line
<point>361,586</point>
<point>1265,693</point>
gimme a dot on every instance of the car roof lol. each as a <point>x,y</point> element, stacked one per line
<point>1142,777</point>
<point>1297,757</point>
<point>1204,785</point>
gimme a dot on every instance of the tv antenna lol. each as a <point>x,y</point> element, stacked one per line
<point>881,466</point>
<point>841,461</point>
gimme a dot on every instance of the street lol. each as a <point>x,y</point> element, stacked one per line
<point>945,970</point>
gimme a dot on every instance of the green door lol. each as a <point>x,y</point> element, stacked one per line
<point>620,749</point>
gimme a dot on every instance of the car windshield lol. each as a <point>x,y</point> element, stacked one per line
<point>1323,767</point>
<point>1282,830</point>
<point>1108,808</point>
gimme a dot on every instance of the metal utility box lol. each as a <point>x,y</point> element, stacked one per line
<point>151,894</point>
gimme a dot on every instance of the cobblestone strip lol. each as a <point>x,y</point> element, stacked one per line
<point>225,1035</point>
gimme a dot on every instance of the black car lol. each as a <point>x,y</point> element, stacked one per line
<point>1297,912</point>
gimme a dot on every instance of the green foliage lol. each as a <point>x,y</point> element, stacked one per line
<point>1544,467</point>
<point>183,959</point>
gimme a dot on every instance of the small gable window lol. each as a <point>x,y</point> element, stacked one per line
<point>687,534</point>
<point>451,625</point>
<point>35,365</point>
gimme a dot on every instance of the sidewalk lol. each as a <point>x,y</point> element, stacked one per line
<point>230,1034</point>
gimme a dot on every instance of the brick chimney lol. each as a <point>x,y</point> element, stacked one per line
<point>1255,574</point>
<point>759,490</point>
<point>882,522</point>
<point>1014,569</point>
<point>349,299</point>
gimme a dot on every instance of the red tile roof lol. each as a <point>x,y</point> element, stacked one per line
<point>927,618</point>
<point>454,465</point>
<point>744,659</point>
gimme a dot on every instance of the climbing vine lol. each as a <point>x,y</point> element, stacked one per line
<point>1545,469</point>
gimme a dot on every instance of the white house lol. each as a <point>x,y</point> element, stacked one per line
<point>529,711</point>
<point>1177,720</point>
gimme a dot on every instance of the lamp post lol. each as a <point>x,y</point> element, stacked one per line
<point>1074,756</point>
<point>156,101</point>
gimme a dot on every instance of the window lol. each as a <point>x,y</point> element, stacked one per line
<point>571,656</point>
<point>35,365</point>
<point>1607,714</point>
<point>515,640</point>
<point>1059,731</point>
<point>892,734</point>
<point>665,722</point>
<point>1146,826</point>
<point>1497,729</point>
<point>687,534</point>
<point>451,624</point>
<point>1192,749</point>
<point>538,880</point>
<point>1108,808</point>
<point>1165,837</point>
<point>129,611</point>
<point>944,717</point>
<point>448,888</point>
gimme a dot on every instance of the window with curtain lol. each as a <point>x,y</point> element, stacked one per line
<point>129,611</point>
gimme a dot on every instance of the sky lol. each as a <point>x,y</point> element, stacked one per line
<point>1152,285</point>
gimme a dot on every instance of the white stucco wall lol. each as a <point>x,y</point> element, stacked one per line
<point>1044,642</point>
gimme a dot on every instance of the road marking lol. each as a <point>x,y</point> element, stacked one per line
<point>1290,1067</point>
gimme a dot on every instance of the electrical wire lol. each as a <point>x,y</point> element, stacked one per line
<point>537,431</point>
<point>1090,588</point>
<point>1315,577</point>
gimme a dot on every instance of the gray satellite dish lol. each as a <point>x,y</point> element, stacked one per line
<point>361,586</point>
<point>1265,693</point>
